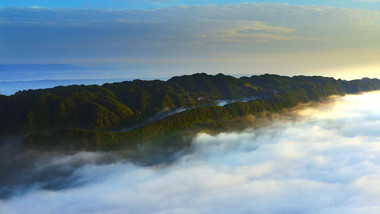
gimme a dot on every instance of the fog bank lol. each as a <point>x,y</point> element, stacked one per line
<point>326,161</point>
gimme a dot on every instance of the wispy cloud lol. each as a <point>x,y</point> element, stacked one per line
<point>197,33</point>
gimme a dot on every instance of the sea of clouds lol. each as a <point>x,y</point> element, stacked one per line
<point>325,161</point>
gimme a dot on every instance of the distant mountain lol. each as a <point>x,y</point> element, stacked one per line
<point>27,72</point>
<point>11,87</point>
<point>40,67</point>
<point>87,117</point>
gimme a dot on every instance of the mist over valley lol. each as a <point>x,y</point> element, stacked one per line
<point>193,107</point>
<point>327,156</point>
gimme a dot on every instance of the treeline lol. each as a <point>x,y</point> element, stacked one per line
<point>286,92</point>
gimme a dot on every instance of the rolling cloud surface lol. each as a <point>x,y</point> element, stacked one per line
<point>325,161</point>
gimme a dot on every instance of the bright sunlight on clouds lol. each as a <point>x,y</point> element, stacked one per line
<point>325,161</point>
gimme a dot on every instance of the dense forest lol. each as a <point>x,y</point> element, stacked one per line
<point>122,114</point>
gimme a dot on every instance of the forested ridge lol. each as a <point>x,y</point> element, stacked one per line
<point>113,105</point>
<point>87,117</point>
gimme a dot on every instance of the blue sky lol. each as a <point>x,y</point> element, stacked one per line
<point>159,39</point>
<point>153,4</point>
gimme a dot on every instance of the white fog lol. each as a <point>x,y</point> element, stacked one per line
<point>326,161</point>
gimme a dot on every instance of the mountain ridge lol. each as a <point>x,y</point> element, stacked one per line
<point>89,115</point>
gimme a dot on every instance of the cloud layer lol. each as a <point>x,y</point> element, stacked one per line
<point>325,161</point>
<point>232,38</point>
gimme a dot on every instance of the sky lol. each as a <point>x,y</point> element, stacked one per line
<point>127,39</point>
<point>323,159</point>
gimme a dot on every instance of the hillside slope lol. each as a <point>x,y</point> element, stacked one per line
<point>88,117</point>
